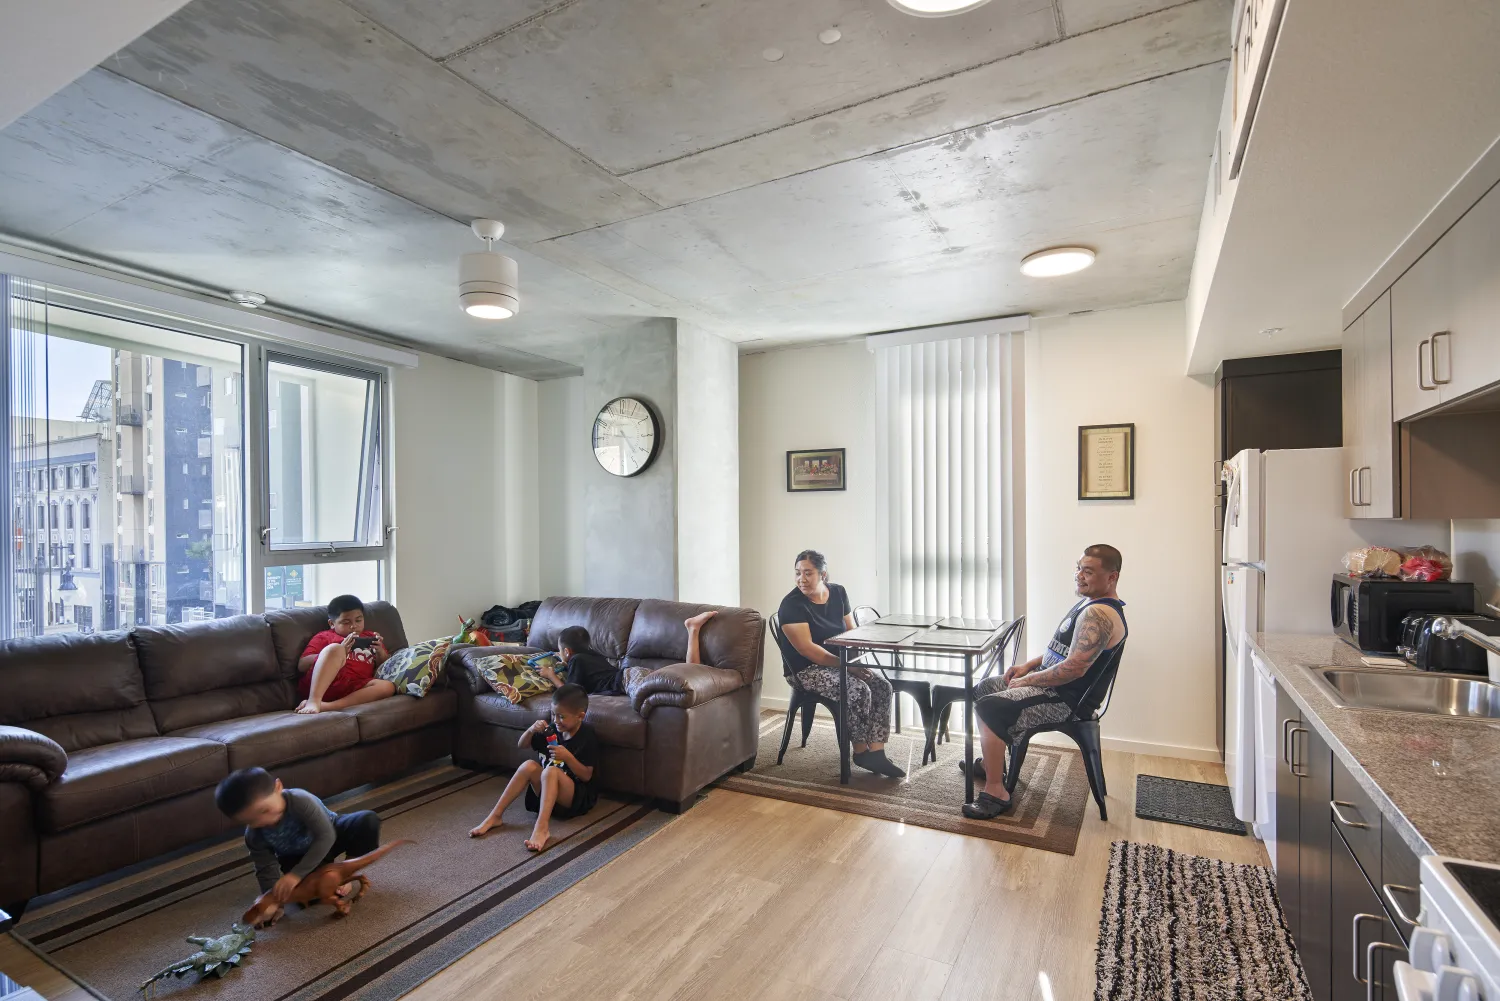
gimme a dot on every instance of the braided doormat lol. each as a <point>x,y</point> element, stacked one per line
<point>1174,925</point>
<point>1193,804</point>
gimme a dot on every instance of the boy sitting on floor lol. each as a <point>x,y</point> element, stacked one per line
<point>338,666</point>
<point>289,832</point>
<point>558,782</point>
<point>596,675</point>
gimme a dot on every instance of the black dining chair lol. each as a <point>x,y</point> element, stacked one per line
<point>918,689</point>
<point>945,695</point>
<point>1083,732</point>
<point>801,700</point>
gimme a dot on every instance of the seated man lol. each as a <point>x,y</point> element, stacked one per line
<point>1057,686</point>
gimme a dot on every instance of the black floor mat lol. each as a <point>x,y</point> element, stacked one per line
<point>1194,804</point>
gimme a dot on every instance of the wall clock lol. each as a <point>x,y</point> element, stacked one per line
<point>627,436</point>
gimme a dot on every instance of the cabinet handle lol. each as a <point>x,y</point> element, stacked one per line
<point>1293,762</point>
<point>1433,352</point>
<point>1359,484</point>
<point>1339,815</point>
<point>1353,497</point>
<point>1422,354</point>
<point>1286,758</point>
<point>1372,983</point>
<point>1389,891</point>
<point>1355,951</point>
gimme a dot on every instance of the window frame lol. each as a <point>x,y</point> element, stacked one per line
<point>318,553</point>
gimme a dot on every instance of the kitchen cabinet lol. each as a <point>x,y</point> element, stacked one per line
<point>1333,861</point>
<point>1370,441</point>
<point>1445,315</point>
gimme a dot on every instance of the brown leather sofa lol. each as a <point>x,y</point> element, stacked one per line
<point>111,744</point>
<point>686,726</point>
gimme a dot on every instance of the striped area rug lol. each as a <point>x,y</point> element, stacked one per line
<point>429,903</point>
<point>1175,925</point>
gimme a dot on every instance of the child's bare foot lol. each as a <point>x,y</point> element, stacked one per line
<point>697,621</point>
<point>484,828</point>
<point>310,708</point>
<point>539,838</point>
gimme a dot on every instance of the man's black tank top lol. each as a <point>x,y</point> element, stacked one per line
<point>1104,666</point>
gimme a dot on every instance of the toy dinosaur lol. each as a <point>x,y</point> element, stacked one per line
<point>470,632</point>
<point>214,958</point>
<point>322,885</point>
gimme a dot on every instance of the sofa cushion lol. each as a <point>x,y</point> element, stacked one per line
<point>81,691</point>
<point>618,724</point>
<point>116,778</point>
<point>402,714</point>
<point>201,672</point>
<point>291,628</point>
<point>608,621</point>
<point>275,738</point>
<point>731,639</point>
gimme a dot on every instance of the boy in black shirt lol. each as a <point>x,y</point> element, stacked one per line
<point>558,782</point>
<point>592,672</point>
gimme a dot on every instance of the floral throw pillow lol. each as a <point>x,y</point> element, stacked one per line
<point>416,668</point>
<point>512,675</point>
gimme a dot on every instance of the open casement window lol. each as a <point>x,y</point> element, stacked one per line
<point>324,492</point>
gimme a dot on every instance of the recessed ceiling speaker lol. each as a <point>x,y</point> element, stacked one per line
<point>487,281</point>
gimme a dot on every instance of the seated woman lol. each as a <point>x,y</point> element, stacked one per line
<point>814,611</point>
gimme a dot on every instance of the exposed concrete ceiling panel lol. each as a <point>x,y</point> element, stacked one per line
<point>1183,37</point>
<point>316,76</point>
<point>1086,15</point>
<point>903,223</point>
<point>443,27</point>
<point>632,85</point>
<point>201,201</point>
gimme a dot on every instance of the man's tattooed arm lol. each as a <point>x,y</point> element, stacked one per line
<point>1090,636</point>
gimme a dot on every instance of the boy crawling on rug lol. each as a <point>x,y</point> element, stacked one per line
<point>289,832</point>
<point>558,782</point>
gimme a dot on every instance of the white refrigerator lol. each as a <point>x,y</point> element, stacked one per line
<point>1285,536</point>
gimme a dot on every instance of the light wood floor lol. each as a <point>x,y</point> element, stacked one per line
<point>755,899</point>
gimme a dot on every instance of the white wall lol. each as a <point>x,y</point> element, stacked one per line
<point>466,522</point>
<point>559,471</point>
<point>708,468</point>
<point>1476,557</point>
<point>805,398</point>
<point>1124,366</point>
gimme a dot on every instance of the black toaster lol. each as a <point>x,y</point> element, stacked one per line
<point>1426,651</point>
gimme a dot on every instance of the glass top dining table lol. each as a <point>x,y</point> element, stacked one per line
<point>926,636</point>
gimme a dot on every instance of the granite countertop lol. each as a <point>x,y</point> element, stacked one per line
<point>1436,779</point>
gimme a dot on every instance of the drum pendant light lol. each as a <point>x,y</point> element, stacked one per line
<point>487,281</point>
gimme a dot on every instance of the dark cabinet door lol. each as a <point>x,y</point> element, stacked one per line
<point>1315,763</point>
<point>1288,818</point>
<point>1358,919</point>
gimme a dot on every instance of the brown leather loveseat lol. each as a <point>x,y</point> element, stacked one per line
<point>686,726</point>
<point>111,744</point>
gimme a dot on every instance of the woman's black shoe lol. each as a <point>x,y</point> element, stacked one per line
<point>987,807</point>
<point>979,772</point>
<point>877,762</point>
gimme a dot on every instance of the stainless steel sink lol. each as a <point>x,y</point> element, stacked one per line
<point>1409,691</point>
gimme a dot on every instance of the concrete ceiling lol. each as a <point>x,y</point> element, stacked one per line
<point>647,159</point>
<point>1370,113</point>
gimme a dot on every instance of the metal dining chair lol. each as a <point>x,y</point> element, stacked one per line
<point>944,696</point>
<point>918,689</point>
<point>801,701</point>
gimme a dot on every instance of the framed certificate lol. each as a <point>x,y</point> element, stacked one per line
<point>1106,462</point>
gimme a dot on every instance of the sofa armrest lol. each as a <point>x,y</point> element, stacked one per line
<point>684,686</point>
<point>460,667</point>
<point>30,758</point>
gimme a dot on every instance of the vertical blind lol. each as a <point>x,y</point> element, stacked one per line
<point>946,419</point>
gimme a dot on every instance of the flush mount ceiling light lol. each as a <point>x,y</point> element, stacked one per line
<point>936,8</point>
<point>1056,261</point>
<point>487,281</point>
<point>250,300</point>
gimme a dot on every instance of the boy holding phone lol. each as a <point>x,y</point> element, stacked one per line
<point>338,666</point>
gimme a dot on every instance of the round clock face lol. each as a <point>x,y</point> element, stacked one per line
<point>625,436</point>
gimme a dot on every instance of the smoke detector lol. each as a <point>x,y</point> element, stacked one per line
<point>487,281</point>
<point>250,300</point>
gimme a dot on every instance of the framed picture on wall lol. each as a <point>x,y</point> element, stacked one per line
<point>815,469</point>
<point>1106,462</point>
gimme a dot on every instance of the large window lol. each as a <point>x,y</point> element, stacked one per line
<point>134,486</point>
